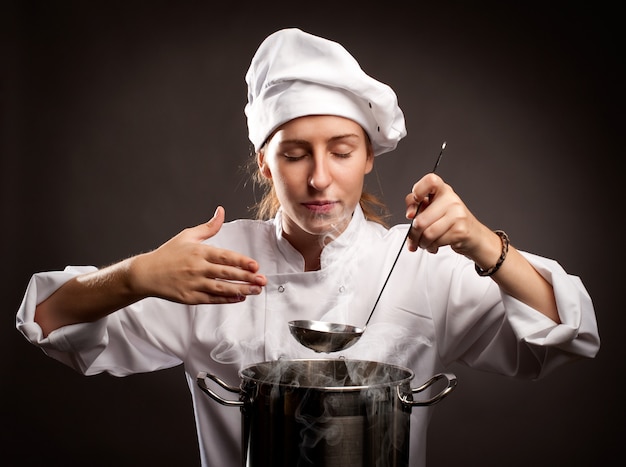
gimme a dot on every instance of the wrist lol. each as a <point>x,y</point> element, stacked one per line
<point>135,276</point>
<point>484,267</point>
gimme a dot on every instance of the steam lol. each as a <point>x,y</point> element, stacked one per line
<point>235,353</point>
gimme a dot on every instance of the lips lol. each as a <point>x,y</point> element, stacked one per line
<point>320,207</point>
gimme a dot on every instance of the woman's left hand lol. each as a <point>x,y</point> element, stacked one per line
<point>445,220</point>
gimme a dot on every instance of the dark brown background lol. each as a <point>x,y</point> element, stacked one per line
<point>122,123</point>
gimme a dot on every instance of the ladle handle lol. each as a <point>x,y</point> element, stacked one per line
<point>450,385</point>
<point>419,205</point>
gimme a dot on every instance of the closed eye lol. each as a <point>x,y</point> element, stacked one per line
<point>294,157</point>
<point>342,155</point>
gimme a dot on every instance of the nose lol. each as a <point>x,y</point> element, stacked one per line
<point>320,177</point>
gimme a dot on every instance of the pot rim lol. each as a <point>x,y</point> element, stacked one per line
<point>268,381</point>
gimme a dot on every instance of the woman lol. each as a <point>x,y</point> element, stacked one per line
<point>459,293</point>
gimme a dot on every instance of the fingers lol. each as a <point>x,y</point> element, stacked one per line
<point>443,219</point>
<point>216,222</point>
<point>231,266</point>
<point>224,276</point>
<point>420,198</point>
<point>215,294</point>
<point>221,291</point>
<point>185,269</point>
<point>428,238</point>
<point>199,280</point>
<point>208,229</point>
<point>423,191</point>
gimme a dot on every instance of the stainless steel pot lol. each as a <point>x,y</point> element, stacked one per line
<point>326,412</point>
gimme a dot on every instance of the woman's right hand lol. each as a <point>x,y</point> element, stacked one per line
<point>182,270</point>
<point>185,270</point>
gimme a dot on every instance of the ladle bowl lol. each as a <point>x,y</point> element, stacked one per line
<point>322,336</point>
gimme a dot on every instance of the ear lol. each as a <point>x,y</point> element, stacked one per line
<point>369,163</point>
<point>263,167</point>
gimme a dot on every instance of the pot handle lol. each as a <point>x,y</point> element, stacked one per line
<point>202,383</point>
<point>451,384</point>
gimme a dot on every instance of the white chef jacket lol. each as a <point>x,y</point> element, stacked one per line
<point>434,310</point>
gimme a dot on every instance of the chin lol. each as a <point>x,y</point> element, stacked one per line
<point>330,227</point>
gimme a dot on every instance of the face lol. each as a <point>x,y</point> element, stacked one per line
<point>317,165</point>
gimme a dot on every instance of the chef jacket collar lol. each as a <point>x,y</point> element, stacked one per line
<point>348,239</point>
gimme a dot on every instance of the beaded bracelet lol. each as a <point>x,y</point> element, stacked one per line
<point>505,249</point>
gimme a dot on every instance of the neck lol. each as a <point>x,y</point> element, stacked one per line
<point>310,247</point>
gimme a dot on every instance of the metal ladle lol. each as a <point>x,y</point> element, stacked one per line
<point>322,336</point>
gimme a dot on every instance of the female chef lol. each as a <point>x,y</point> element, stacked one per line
<point>218,296</point>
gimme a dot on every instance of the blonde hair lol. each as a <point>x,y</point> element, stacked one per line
<point>373,208</point>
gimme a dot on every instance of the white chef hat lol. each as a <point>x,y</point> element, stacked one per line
<point>294,74</point>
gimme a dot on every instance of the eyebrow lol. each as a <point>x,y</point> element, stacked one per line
<point>331,139</point>
<point>347,135</point>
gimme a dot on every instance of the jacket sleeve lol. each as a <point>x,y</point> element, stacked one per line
<point>575,337</point>
<point>132,340</point>
<point>479,325</point>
